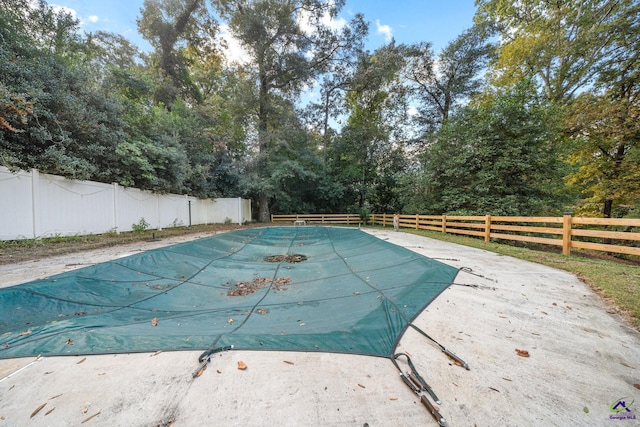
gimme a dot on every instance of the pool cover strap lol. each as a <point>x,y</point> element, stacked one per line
<point>418,385</point>
<point>458,361</point>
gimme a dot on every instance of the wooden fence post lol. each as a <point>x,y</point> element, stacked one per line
<point>487,228</point>
<point>444,223</point>
<point>417,221</point>
<point>566,233</point>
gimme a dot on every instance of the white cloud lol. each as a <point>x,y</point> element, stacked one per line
<point>64,9</point>
<point>234,51</point>
<point>384,30</point>
<point>335,24</point>
<point>90,19</point>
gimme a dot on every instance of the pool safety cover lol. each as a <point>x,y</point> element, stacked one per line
<point>326,289</point>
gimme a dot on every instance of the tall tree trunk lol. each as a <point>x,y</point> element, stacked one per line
<point>608,205</point>
<point>264,214</point>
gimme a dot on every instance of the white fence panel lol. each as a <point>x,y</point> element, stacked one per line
<point>134,205</point>
<point>16,205</point>
<point>65,208</point>
<point>35,205</point>
<point>227,210</point>
<point>201,211</point>
<point>174,211</point>
<point>245,211</point>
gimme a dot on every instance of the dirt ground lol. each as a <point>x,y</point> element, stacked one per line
<point>583,364</point>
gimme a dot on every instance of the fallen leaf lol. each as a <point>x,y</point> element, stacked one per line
<point>154,321</point>
<point>507,379</point>
<point>83,359</point>
<point>88,418</point>
<point>156,353</point>
<point>586,410</point>
<point>229,320</point>
<point>85,410</point>
<point>569,307</point>
<point>288,362</point>
<point>33,414</point>
<point>637,386</point>
<point>49,411</point>
<point>360,385</point>
<point>22,334</point>
<point>56,396</point>
<point>218,371</point>
<point>393,398</point>
<point>241,365</point>
<point>69,342</point>
<point>494,389</point>
<point>200,371</point>
<point>522,353</point>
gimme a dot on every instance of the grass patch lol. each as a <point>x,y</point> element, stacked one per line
<point>33,249</point>
<point>617,281</point>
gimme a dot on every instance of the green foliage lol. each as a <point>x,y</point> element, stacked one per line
<point>561,43</point>
<point>441,84</point>
<point>499,157</point>
<point>365,214</point>
<point>182,119</point>
<point>141,226</point>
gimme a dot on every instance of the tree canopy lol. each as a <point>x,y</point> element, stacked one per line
<point>533,110</point>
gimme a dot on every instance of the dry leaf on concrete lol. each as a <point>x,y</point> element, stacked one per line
<point>33,414</point>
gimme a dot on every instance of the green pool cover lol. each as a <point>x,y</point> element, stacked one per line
<point>325,289</point>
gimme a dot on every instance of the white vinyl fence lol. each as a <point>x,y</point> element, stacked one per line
<point>35,205</point>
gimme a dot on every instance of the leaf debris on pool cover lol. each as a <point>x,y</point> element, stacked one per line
<point>354,293</point>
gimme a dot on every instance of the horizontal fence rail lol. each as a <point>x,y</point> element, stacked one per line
<point>612,235</point>
<point>318,218</point>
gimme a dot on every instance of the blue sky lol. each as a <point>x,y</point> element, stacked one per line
<point>408,21</point>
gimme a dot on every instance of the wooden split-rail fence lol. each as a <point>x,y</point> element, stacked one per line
<point>613,235</point>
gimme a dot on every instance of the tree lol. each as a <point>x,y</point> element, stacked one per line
<point>288,45</point>
<point>71,128</point>
<point>339,79</point>
<point>604,126</point>
<point>443,83</point>
<point>498,156</point>
<point>367,155</point>
<point>561,43</point>
<point>175,27</point>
